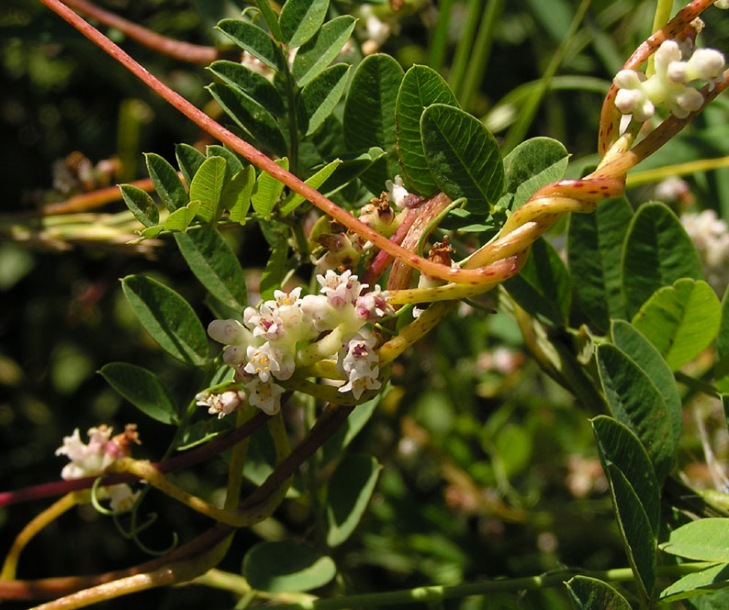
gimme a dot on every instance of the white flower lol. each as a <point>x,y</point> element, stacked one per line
<point>671,83</point>
<point>397,192</point>
<point>264,395</point>
<point>340,290</point>
<point>710,234</point>
<point>221,404</point>
<point>235,336</point>
<point>373,305</point>
<point>95,457</point>
<point>358,362</point>
<point>721,4</point>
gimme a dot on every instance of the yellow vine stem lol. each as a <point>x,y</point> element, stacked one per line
<point>237,515</point>
<point>36,525</point>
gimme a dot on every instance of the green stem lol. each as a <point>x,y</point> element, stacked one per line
<point>481,51</point>
<point>464,50</point>
<point>439,43</point>
<point>513,585</point>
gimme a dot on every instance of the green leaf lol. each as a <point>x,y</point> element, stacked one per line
<point>620,446</point>
<point>268,191</point>
<point>207,187</point>
<point>319,98</point>
<point>237,193</point>
<point>253,39</point>
<point>168,318</point>
<point>270,18</point>
<point>543,287</point>
<point>166,182</point>
<point>250,116</point>
<point>657,252</point>
<point>702,540</point>
<point>322,49</point>
<point>350,491</point>
<point>141,204</point>
<point>680,320</point>
<point>633,521</point>
<point>301,19</point>
<point>181,218</point>
<point>635,401</point>
<point>369,112</point>
<point>189,159</point>
<point>594,246</point>
<point>352,426</point>
<point>697,583</point>
<point>250,84</point>
<point>141,388</point>
<point>275,270</point>
<point>593,594</point>
<point>420,87</point>
<point>463,156</point>
<point>233,163</point>
<point>530,166</point>
<point>721,371</point>
<point>214,264</point>
<point>629,340</point>
<point>369,115</point>
<point>294,200</point>
<point>286,566</point>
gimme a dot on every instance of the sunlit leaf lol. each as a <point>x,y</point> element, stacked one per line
<point>680,320</point>
<point>301,19</point>
<point>657,252</point>
<point>250,84</point>
<point>321,50</point>
<point>207,187</point>
<point>294,200</point>
<point>267,191</point>
<point>237,193</point>
<point>320,97</point>
<point>702,540</point>
<point>698,583</point>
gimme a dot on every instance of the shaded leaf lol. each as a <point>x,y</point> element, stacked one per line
<point>278,567</point>
<point>657,252</point>
<point>249,83</point>
<point>629,340</point>
<point>721,371</point>
<point>420,87</point>
<point>350,490</point>
<point>233,162</point>
<point>275,270</point>
<point>168,318</point>
<point>594,246</point>
<point>635,401</point>
<point>680,320</point>
<point>463,156</point>
<point>141,204</point>
<point>322,49</point>
<point>189,159</point>
<point>214,264</point>
<point>543,287</point>
<point>250,116</point>
<point>141,388</point>
<point>301,19</point>
<point>166,182</point>
<point>593,594</point>
<point>253,39</point>
<point>319,98</point>
<point>634,523</point>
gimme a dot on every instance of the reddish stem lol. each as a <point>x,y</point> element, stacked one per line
<point>184,51</point>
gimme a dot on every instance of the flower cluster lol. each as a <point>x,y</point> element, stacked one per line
<point>671,83</point>
<point>94,458</point>
<point>292,330</point>
<point>710,234</point>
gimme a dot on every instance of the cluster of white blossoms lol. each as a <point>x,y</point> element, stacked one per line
<point>290,330</point>
<point>710,235</point>
<point>672,83</point>
<point>94,458</point>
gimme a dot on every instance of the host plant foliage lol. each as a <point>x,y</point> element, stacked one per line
<point>383,206</point>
